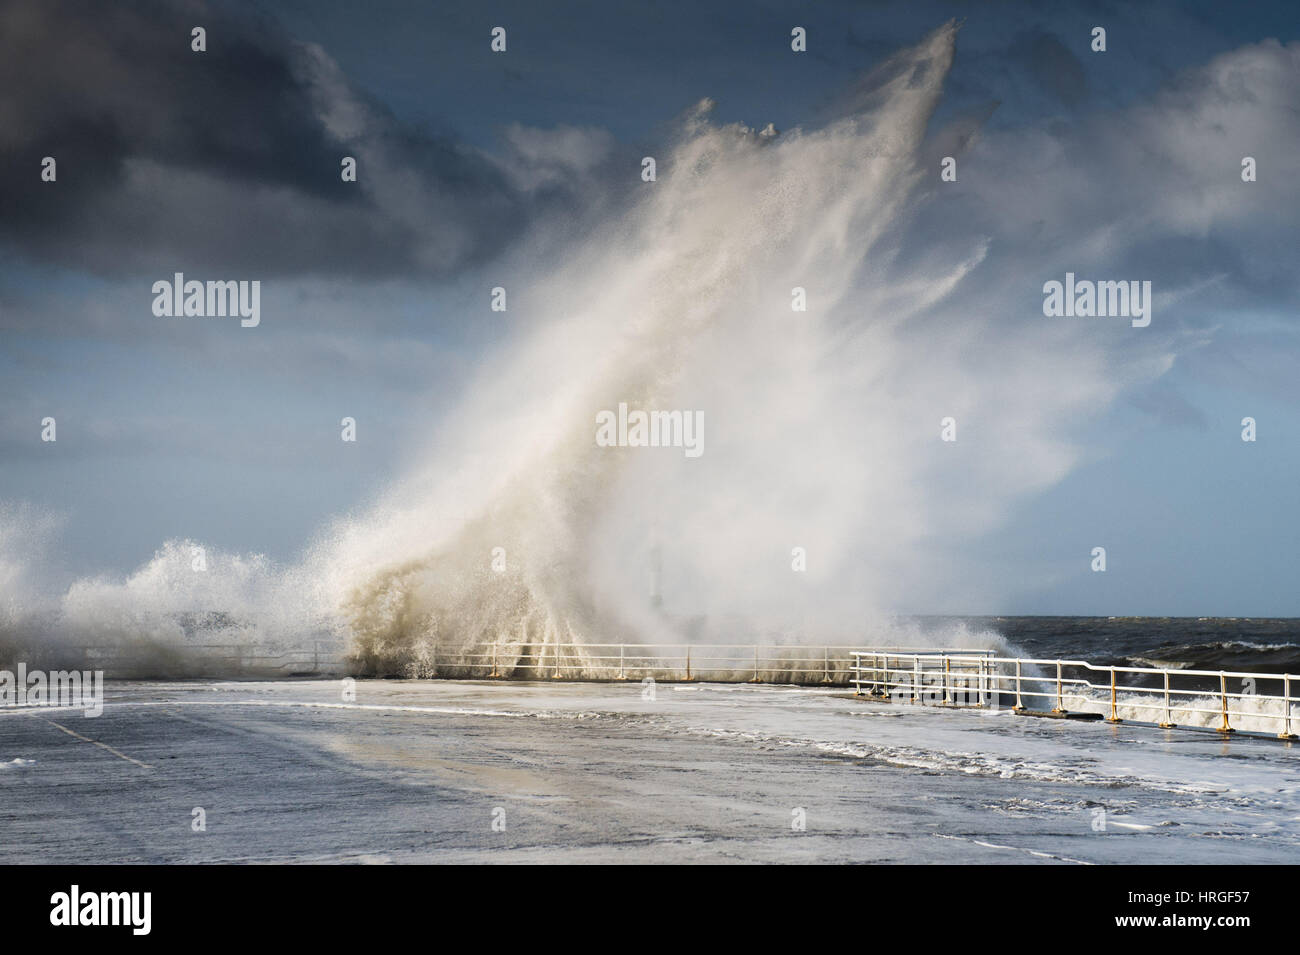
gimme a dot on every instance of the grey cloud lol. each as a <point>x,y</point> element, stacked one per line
<point>225,160</point>
<point>1174,209</point>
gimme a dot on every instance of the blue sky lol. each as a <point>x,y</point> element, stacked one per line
<point>375,308</point>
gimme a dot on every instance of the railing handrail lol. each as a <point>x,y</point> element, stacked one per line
<point>1084,664</point>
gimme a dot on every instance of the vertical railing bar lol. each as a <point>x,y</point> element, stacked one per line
<point>1223,703</point>
<point>1286,708</point>
<point>1114,717</point>
<point>1167,722</point>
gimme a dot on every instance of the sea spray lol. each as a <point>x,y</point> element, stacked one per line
<point>693,271</point>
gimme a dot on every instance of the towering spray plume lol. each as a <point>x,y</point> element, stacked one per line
<point>683,303</point>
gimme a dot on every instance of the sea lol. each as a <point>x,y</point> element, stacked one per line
<point>1264,644</point>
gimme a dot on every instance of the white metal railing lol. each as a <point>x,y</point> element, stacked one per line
<point>939,677</point>
<point>667,662</point>
<point>1201,699</point>
<point>320,657</point>
<point>715,662</point>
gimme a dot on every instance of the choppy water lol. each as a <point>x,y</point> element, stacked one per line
<point>1268,645</point>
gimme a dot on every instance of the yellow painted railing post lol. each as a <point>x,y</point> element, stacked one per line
<point>1114,717</point>
<point>1060,705</point>
<point>1223,703</point>
<point>1020,704</point>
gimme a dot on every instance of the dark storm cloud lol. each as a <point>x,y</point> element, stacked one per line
<point>226,159</point>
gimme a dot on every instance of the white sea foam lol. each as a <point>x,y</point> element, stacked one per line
<point>1248,714</point>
